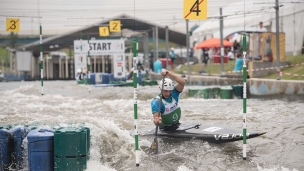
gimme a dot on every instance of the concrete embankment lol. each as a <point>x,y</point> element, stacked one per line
<point>255,86</point>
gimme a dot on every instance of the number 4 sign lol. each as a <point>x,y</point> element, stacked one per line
<point>195,9</point>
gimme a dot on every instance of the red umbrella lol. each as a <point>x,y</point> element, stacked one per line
<point>212,42</point>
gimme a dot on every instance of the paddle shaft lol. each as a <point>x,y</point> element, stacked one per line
<point>160,103</point>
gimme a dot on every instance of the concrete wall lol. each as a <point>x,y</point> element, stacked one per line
<point>270,87</point>
<point>255,86</point>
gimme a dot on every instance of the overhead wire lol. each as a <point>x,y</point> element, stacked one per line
<point>64,17</point>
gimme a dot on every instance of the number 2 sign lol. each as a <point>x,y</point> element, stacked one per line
<point>195,9</point>
<point>115,26</point>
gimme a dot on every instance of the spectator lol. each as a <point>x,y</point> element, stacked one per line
<point>80,75</point>
<point>236,47</point>
<point>238,63</point>
<point>261,28</point>
<point>172,56</point>
<point>2,78</point>
<point>258,41</point>
<point>206,56</point>
<point>157,66</point>
<point>230,55</point>
<point>143,72</point>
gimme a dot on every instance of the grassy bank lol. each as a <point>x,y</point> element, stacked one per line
<point>214,69</point>
<point>211,68</point>
<point>299,69</point>
<point>2,53</point>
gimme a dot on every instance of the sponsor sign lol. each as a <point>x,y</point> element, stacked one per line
<point>119,63</point>
<point>229,136</point>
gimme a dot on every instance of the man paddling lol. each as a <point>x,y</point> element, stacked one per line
<point>170,111</point>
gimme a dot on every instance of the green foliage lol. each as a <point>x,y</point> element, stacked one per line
<point>2,53</point>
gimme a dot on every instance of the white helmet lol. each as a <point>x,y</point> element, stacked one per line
<point>168,84</point>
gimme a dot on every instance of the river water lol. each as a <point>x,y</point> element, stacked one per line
<point>109,113</point>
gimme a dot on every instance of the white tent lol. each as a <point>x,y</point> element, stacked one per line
<point>291,21</point>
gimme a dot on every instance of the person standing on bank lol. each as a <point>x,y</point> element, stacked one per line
<point>172,57</point>
<point>157,66</point>
<point>206,56</point>
<point>170,111</point>
<point>258,40</point>
<point>238,63</point>
<point>2,78</point>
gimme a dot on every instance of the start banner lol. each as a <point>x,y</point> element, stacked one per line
<point>99,47</point>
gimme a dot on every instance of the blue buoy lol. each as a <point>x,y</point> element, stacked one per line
<point>92,79</point>
<point>105,78</point>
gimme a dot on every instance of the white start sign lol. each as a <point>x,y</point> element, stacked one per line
<point>100,47</point>
<point>114,48</point>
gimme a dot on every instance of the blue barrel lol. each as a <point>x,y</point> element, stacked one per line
<point>111,77</point>
<point>5,149</point>
<point>18,134</point>
<point>92,79</point>
<point>41,150</point>
<point>105,78</point>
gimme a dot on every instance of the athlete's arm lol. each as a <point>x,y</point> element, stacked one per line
<point>155,109</point>
<point>180,81</point>
<point>156,119</point>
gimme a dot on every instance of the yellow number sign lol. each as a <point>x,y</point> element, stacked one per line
<point>12,24</point>
<point>115,26</point>
<point>195,9</point>
<point>103,31</point>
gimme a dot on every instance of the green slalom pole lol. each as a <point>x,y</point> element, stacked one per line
<point>135,47</point>
<point>81,64</point>
<point>41,61</point>
<point>81,52</point>
<point>244,96</point>
<point>89,66</point>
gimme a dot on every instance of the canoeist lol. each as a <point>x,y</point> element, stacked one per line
<point>170,111</point>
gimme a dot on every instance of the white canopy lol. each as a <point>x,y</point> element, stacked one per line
<point>291,21</point>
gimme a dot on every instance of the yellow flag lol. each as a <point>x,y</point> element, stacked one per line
<point>12,24</point>
<point>115,26</point>
<point>103,31</point>
<point>195,9</point>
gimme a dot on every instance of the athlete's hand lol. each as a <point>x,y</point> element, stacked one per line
<point>164,72</point>
<point>157,120</point>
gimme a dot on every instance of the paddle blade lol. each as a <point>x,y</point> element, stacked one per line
<point>154,147</point>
